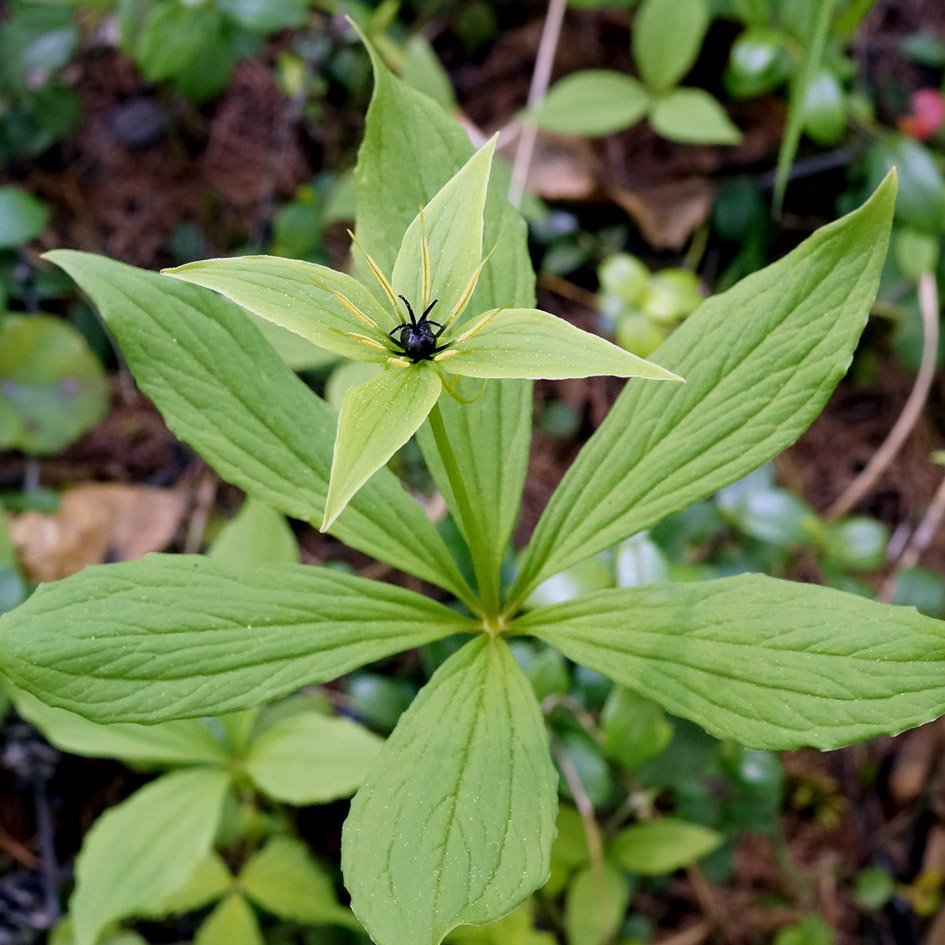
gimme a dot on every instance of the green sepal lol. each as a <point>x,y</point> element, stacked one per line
<point>377,418</point>
<point>451,223</point>
<point>299,296</point>
<point>526,342</point>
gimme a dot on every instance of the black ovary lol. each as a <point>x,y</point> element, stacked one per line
<point>418,341</point>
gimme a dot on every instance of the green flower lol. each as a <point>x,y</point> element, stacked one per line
<point>418,323</point>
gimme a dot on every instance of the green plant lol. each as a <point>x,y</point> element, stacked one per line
<point>667,38</point>
<point>455,822</point>
<point>155,855</point>
<point>36,107</point>
<point>195,46</point>
<point>642,307</point>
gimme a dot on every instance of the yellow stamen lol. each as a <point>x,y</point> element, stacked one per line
<point>424,262</point>
<point>467,293</point>
<point>469,332</point>
<point>358,314</point>
<point>398,362</point>
<point>445,355</point>
<point>370,342</point>
<point>381,278</point>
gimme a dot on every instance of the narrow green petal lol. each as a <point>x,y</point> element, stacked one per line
<point>526,342</point>
<point>452,224</point>
<point>313,301</point>
<point>377,418</point>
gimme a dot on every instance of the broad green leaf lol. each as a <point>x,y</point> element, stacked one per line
<point>209,882</point>
<point>813,41</point>
<point>312,758</point>
<point>454,825</point>
<point>667,37</point>
<point>22,217</point>
<point>223,391</point>
<point>597,900</point>
<point>397,173</point>
<point>299,296</point>
<point>257,534</point>
<point>759,361</point>
<point>452,225</point>
<point>183,741</point>
<point>377,418</point>
<point>662,846</point>
<point>172,636</point>
<point>231,923</point>
<point>767,663</point>
<point>693,117</point>
<point>145,848</point>
<point>526,342</point>
<point>52,387</point>
<point>286,881</point>
<point>591,102</point>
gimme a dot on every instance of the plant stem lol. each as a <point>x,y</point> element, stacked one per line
<point>486,574</point>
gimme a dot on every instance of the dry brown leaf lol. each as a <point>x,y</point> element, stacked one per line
<point>563,168</point>
<point>668,213</point>
<point>96,522</point>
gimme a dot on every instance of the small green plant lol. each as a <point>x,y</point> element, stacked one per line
<point>36,107</point>
<point>642,307</point>
<point>455,822</point>
<point>195,46</point>
<point>667,38</point>
<point>153,855</point>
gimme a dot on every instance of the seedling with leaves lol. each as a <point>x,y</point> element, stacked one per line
<point>667,38</point>
<point>455,821</point>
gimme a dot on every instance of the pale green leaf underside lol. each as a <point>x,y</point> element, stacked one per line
<point>297,295</point>
<point>694,117</point>
<point>172,636</point>
<point>141,851</point>
<point>591,102</point>
<point>662,846</point>
<point>377,418</point>
<point>311,758</point>
<point>183,741</point>
<point>767,663</point>
<point>454,825</point>
<point>224,391</point>
<point>231,923</point>
<point>284,880</point>
<point>526,342</point>
<point>759,361</point>
<point>452,223</point>
<point>410,150</point>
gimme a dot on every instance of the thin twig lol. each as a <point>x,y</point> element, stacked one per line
<point>540,79</point>
<point>920,539</point>
<point>861,485</point>
<point>595,844</point>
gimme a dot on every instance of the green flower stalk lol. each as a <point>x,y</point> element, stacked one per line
<point>421,324</point>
